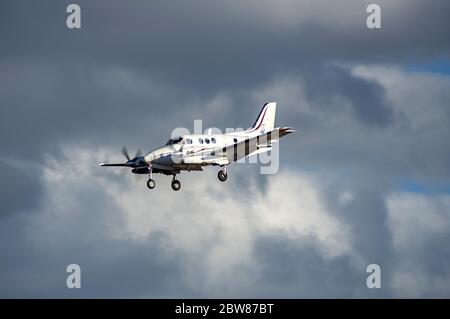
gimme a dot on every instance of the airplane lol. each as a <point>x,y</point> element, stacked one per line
<point>190,152</point>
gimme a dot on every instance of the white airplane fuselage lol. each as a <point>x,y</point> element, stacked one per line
<point>196,149</point>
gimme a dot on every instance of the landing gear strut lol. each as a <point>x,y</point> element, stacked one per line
<point>150,183</point>
<point>222,175</point>
<point>176,185</point>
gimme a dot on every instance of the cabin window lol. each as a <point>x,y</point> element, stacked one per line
<point>200,140</point>
<point>189,141</point>
<point>213,140</point>
<point>207,140</point>
<point>235,140</point>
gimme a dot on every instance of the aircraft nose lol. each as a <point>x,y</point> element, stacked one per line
<point>157,153</point>
<point>149,157</point>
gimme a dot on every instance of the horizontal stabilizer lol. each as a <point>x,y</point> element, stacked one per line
<point>285,131</point>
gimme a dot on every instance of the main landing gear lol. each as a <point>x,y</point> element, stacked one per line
<point>222,175</point>
<point>176,185</point>
<point>151,184</point>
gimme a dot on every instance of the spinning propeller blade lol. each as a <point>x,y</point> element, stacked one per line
<point>138,153</point>
<point>125,153</point>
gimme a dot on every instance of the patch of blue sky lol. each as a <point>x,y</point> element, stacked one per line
<point>438,66</point>
<point>424,188</point>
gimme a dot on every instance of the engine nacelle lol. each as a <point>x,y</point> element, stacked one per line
<point>140,170</point>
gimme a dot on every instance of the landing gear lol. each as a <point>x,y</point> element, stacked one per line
<point>151,184</point>
<point>222,175</point>
<point>176,185</point>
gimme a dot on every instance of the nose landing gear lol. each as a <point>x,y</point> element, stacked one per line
<point>150,183</point>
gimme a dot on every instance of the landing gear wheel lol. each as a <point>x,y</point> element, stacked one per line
<point>222,176</point>
<point>176,185</point>
<point>151,183</point>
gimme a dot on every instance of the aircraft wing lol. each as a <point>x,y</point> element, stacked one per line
<point>118,165</point>
<point>235,152</point>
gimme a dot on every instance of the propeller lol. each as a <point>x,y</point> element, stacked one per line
<point>125,153</point>
<point>131,162</point>
<point>138,153</point>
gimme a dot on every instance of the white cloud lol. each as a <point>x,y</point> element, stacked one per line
<point>418,223</point>
<point>210,225</point>
<point>414,217</point>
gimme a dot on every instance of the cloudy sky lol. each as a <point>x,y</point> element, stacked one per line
<point>366,179</point>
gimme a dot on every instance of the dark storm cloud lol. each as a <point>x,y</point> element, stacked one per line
<point>34,265</point>
<point>110,268</point>
<point>366,98</point>
<point>63,103</point>
<point>302,272</point>
<point>138,69</point>
<point>190,53</point>
<point>20,188</point>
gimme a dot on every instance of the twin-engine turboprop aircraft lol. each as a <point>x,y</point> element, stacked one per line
<point>192,151</point>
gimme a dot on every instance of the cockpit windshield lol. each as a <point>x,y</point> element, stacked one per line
<point>174,141</point>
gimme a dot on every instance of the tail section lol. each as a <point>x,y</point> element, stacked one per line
<point>266,119</point>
